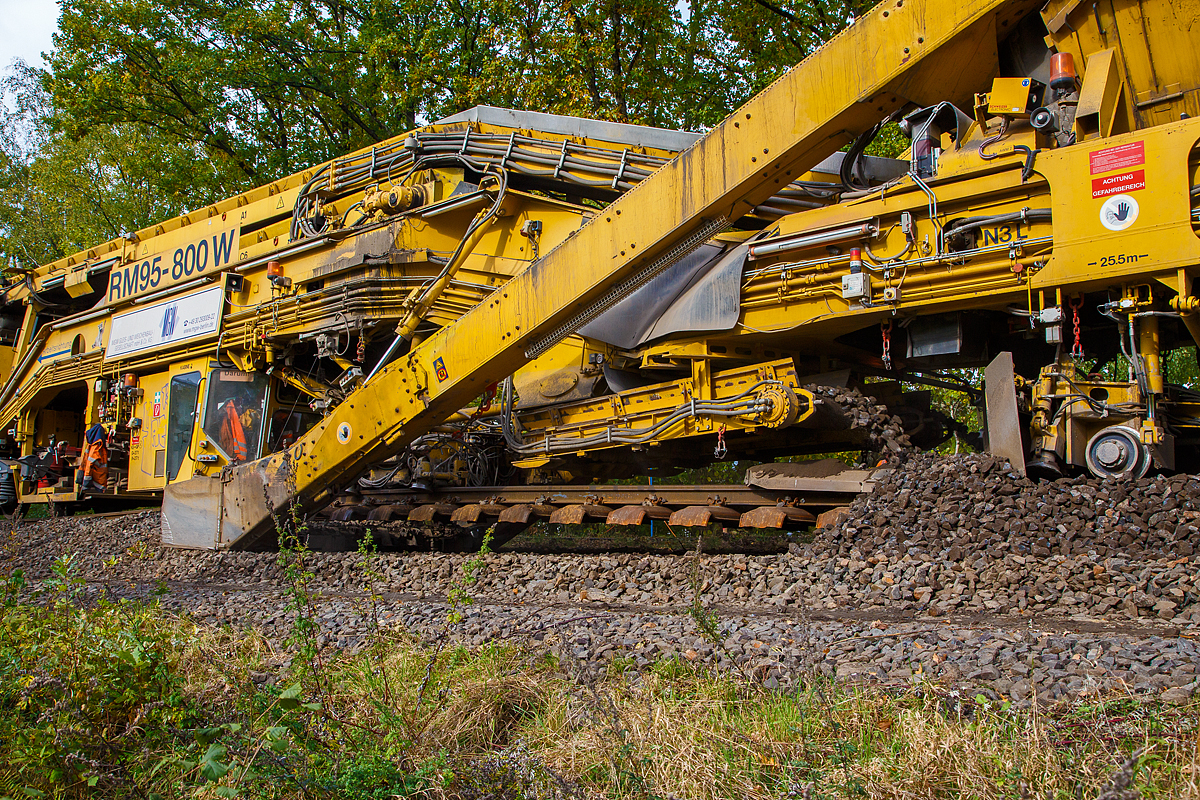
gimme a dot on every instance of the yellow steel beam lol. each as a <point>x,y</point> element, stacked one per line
<point>620,413</point>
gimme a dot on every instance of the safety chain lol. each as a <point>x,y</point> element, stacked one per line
<point>885,330</point>
<point>1076,303</point>
<point>485,405</point>
<point>720,450</point>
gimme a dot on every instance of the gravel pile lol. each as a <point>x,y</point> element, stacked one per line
<point>952,570</point>
<point>962,533</point>
<point>974,502</point>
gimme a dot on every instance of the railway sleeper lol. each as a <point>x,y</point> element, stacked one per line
<point>638,515</point>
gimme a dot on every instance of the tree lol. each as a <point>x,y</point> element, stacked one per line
<point>262,87</point>
<point>59,194</point>
<point>151,108</point>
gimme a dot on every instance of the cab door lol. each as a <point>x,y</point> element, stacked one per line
<point>148,442</point>
<point>183,397</point>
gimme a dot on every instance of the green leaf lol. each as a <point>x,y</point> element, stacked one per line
<point>312,706</point>
<point>277,739</point>
<point>211,766</point>
<point>205,736</point>
<point>226,791</point>
<point>289,698</point>
<point>92,781</point>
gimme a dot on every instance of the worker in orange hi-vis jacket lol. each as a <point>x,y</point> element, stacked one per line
<point>93,473</point>
<point>233,434</point>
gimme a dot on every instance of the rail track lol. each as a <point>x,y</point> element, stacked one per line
<point>768,501</point>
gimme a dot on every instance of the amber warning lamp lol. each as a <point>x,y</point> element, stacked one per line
<point>275,275</point>
<point>1062,72</point>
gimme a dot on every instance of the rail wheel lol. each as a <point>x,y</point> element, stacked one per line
<point>1117,452</point>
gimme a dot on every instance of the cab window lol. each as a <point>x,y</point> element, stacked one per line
<point>233,412</point>
<point>290,417</point>
<point>181,419</point>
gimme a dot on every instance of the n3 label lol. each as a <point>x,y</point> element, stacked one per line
<point>1003,234</point>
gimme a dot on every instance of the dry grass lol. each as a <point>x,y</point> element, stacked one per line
<point>702,737</point>
<point>215,661</point>
<point>504,722</point>
<point>679,732</point>
<point>452,700</point>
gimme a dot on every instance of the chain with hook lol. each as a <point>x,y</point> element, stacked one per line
<point>720,450</point>
<point>885,331</point>
<point>1076,303</point>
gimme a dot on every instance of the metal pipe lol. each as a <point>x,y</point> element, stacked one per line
<point>282,254</point>
<point>66,322</point>
<point>411,320</point>
<point>170,290</point>
<point>799,242</point>
<point>387,357</point>
<point>1149,351</point>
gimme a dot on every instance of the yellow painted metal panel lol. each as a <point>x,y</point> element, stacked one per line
<point>148,444</point>
<point>1121,206</point>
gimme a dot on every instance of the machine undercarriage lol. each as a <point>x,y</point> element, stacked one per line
<point>626,303</point>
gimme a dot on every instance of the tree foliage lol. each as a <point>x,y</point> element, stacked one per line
<point>150,107</point>
<point>59,192</point>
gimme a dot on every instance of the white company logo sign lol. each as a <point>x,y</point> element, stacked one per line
<point>177,320</point>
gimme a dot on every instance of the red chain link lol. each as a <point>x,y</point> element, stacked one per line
<point>720,450</point>
<point>1076,303</point>
<point>489,394</point>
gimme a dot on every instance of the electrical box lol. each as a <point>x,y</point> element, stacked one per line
<point>856,286</point>
<point>1050,315</point>
<point>939,335</point>
<point>1011,96</point>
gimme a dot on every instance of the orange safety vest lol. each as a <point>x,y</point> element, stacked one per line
<point>95,463</point>
<point>233,436</point>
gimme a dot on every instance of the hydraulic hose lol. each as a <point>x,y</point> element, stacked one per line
<point>1025,215</point>
<point>744,404</point>
<point>577,164</point>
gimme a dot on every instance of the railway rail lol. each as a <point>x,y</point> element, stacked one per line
<point>769,501</point>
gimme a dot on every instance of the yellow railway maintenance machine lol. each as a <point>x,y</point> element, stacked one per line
<point>623,300</point>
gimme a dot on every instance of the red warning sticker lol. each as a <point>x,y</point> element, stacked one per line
<point>1121,182</point>
<point>1122,156</point>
